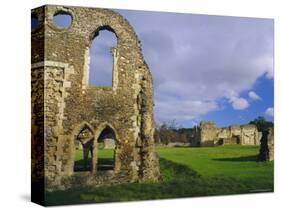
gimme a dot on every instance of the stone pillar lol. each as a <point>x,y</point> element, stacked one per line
<point>270,144</point>
<point>267,145</point>
<point>208,133</point>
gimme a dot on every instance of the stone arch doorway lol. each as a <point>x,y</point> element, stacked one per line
<point>106,144</point>
<point>84,144</point>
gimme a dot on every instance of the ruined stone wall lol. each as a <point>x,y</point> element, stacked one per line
<point>267,145</point>
<point>70,103</point>
<point>270,144</point>
<point>224,132</point>
<point>235,134</point>
<point>37,112</point>
<point>109,143</point>
<point>235,130</point>
<point>249,135</point>
<point>207,134</point>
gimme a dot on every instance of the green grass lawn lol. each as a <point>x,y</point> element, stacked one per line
<point>102,153</point>
<point>228,161</point>
<point>186,172</point>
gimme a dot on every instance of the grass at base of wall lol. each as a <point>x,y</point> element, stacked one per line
<point>186,172</point>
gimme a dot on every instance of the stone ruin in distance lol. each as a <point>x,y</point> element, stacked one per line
<point>207,134</point>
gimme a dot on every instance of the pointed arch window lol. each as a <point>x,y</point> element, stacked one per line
<point>101,57</point>
<point>106,149</point>
<point>84,143</point>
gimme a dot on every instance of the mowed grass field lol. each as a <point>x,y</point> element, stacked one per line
<point>186,172</point>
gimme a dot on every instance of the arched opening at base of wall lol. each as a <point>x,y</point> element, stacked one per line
<point>220,142</point>
<point>237,139</point>
<point>84,143</point>
<point>106,149</point>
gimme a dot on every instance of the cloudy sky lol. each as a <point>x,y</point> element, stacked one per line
<point>204,67</point>
<point>207,67</point>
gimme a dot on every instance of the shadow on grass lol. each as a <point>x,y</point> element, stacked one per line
<point>172,171</point>
<point>105,164</point>
<point>178,181</point>
<point>81,165</point>
<point>239,159</point>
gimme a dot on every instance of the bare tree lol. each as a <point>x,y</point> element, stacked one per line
<point>169,132</point>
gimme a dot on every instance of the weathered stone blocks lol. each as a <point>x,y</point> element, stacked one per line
<point>267,145</point>
<point>63,102</point>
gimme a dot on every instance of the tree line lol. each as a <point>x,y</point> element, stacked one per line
<point>169,132</point>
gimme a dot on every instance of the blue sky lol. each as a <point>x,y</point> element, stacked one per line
<point>204,67</point>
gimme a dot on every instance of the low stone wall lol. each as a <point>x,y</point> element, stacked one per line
<point>232,140</point>
<point>109,143</point>
<point>178,144</point>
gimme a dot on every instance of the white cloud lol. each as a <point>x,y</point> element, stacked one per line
<point>269,112</point>
<point>182,110</point>
<point>239,103</point>
<point>254,96</point>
